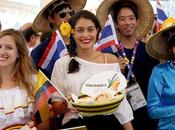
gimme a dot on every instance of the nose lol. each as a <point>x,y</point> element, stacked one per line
<point>67,17</point>
<point>2,51</point>
<point>85,33</point>
<point>127,21</point>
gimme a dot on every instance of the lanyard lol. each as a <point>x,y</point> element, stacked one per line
<point>130,63</point>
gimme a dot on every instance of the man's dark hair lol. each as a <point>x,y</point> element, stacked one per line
<point>28,33</point>
<point>124,4</point>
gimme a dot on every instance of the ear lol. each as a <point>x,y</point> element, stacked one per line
<point>72,32</point>
<point>137,22</point>
<point>18,56</point>
<point>50,19</point>
<point>32,37</point>
<point>115,24</point>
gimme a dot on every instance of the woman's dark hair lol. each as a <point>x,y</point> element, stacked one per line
<point>171,41</point>
<point>74,65</point>
<point>45,36</point>
<point>124,4</point>
<point>171,44</point>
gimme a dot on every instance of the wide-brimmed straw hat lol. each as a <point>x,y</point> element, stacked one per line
<point>41,23</point>
<point>144,10</point>
<point>157,45</point>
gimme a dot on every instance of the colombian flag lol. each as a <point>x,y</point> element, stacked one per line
<point>42,92</point>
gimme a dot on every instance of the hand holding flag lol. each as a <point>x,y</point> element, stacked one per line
<point>43,92</point>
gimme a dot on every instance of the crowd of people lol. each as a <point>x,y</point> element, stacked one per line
<point>149,101</point>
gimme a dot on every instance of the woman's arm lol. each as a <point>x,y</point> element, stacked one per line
<point>128,126</point>
<point>125,114</point>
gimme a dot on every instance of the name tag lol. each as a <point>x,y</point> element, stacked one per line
<point>135,96</point>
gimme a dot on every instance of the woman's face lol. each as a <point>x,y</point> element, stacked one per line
<point>8,52</point>
<point>85,34</point>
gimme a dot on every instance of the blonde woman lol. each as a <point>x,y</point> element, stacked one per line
<point>16,80</point>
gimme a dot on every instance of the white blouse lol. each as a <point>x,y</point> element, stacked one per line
<point>15,107</point>
<point>72,83</point>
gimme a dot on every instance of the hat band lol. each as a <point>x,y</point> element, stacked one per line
<point>57,5</point>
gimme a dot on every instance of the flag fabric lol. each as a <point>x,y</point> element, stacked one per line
<point>161,15</point>
<point>108,41</point>
<point>55,49</point>
<point>42,92</point>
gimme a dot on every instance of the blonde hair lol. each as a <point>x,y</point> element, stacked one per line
<point>23,70</point>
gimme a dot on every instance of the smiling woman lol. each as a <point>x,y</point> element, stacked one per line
<point>70,72</point>
<point>16,80</point>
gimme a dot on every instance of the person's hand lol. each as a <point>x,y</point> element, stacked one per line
<point>71,108</point>
<point>60,106</point>
<point>122,63</point>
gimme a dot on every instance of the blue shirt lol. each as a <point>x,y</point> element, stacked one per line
<point>161,95</point>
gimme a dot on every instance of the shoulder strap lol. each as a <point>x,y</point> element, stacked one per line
<point>105,58</point>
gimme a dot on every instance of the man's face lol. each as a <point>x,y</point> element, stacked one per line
<point>126,22</point>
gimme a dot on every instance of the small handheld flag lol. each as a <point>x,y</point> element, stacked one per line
<point>108,41</point>
<point>55,49</point>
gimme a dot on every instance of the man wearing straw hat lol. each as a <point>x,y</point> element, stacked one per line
<point>49,19</point>
<point>133,20</point>
<point>161,89</point>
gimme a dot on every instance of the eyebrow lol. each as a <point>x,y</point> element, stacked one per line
<point>85,27</point>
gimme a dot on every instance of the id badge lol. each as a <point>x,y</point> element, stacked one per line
<point>135,96</point>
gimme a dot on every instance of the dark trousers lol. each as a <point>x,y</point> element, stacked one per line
<point>107,122</point>
<point>142,121</point>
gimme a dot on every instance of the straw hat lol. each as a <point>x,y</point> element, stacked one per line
<point>144,10</point>
<point>42,24</point>
<point>157,44</point>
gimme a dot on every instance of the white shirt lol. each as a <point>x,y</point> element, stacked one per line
<point>72,83</point>
<point>15,107</point>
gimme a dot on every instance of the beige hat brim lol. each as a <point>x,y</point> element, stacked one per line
<point>41,24</point>
<point>157,47</point>
<point>145,15</point>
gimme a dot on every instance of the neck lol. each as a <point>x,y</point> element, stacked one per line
<point>86,54</point>
<point>6,74</point>
<point>128,42</point>
<point>66,40</point>
<point>7,80</point>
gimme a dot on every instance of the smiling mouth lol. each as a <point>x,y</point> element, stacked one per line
<point>86,41</point>
<point>2,59</point>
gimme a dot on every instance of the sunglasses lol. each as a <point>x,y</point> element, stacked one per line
<point>63,14</point>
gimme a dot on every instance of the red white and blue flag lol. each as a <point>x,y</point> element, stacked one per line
<point>161,15</point>
<point>108,42</point>
<point>55,49</point>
